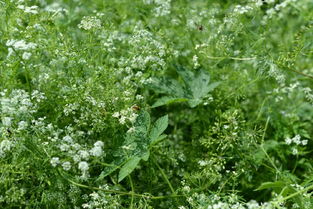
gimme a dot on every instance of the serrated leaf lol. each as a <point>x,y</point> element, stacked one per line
<point>138,144</point>
<point>160,138</point>
<point>142,123</point>
<point>196,87</point>
<point>168,86</point>
<point>167,100</point>
<point>158,128</point>
<point>128,167</point>
<point>187,75</point>
<point>199,84</point>
<point>194,102</point>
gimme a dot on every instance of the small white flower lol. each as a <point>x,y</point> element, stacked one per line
<point>304,142</point>
<point>66,165</point>
<point>22,125</point>
<point>297,139</point>
<point>84,154</point>
<point>139,97</point>
<point>116,115</point>
<point>96,151</point>
<point>83,166</point>
<point>54,161</point>
<point>31,9</point>
<point>89,23</point>
<point>26,55</point>
<point>294,151</point>
<point>288,141</point>
<point>202,163</point>
<point>7,121</point>
<point>68,139</point>
<point>5,146</point>
<point>99,144</point>
<point>64,147</point>
<point>131,130</point>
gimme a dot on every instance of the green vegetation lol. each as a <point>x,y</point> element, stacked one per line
<point>202,104</point>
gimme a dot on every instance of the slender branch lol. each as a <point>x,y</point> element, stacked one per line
<point>232,58</point>
<point>269,158</point>
<point>119,192</point>
<point>164,176</point>
<point>133,191</point>
<point>295,71</point>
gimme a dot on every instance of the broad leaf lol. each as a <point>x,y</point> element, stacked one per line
<point>158,128</point>
<point>168,100</point>
<point>168,86</point>
<point>142,123</point>
<point>272,185</point>
<point>194,89</point>
<point>137,145</point>
<point>128,167</point>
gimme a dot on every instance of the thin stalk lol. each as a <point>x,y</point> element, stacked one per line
<point>233,58</point>
<point>262,148</point>
<point>119,192</point>
<point>133,191</point>
<point>164,176</point>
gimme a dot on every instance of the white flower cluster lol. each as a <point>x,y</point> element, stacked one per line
<point>5,146</point>
<point>20,45</point>
<point>89,23</point>
<point>239,9</point>
<point>149,51</point>
<point>163,8</point>
<point>296,140</point>
<point>55,161</point>
<point>270,13</point>
<point>196,63</point>
<point>31,9</point>
<point>202,201</point>
<point>308,94</point>
<point>55,7</point>
<point>275,72</point>
<point>261,2</point>
<point>19,102</point>
<point>101,200</point>
<point>72,153</point>
<point>97,149</point>
<point>126,115</point>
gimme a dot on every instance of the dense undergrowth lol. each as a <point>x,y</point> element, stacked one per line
<point>203,104</point>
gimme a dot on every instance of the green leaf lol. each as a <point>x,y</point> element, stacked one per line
<point>139,144</point>
<point>195,88</point>
<point>168,86</point>
<point>160,138</point>
<point>167,100</point>
<point>146,155</point>
<point>271,185</point>
<point>158,128</point>
<point>110,169</point>
<point>142,123</point>
<point>199,84</point>
<point>187,75</point>
<point>128,167</point>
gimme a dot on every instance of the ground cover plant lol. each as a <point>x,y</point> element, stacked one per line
<point>204,104</point>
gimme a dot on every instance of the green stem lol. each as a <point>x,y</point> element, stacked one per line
<point>295,194</point>
<point>164,176</point>
<point>262,148</point>
<point>133,191</point>
<point>233,58</point>
<point>119,192</point>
